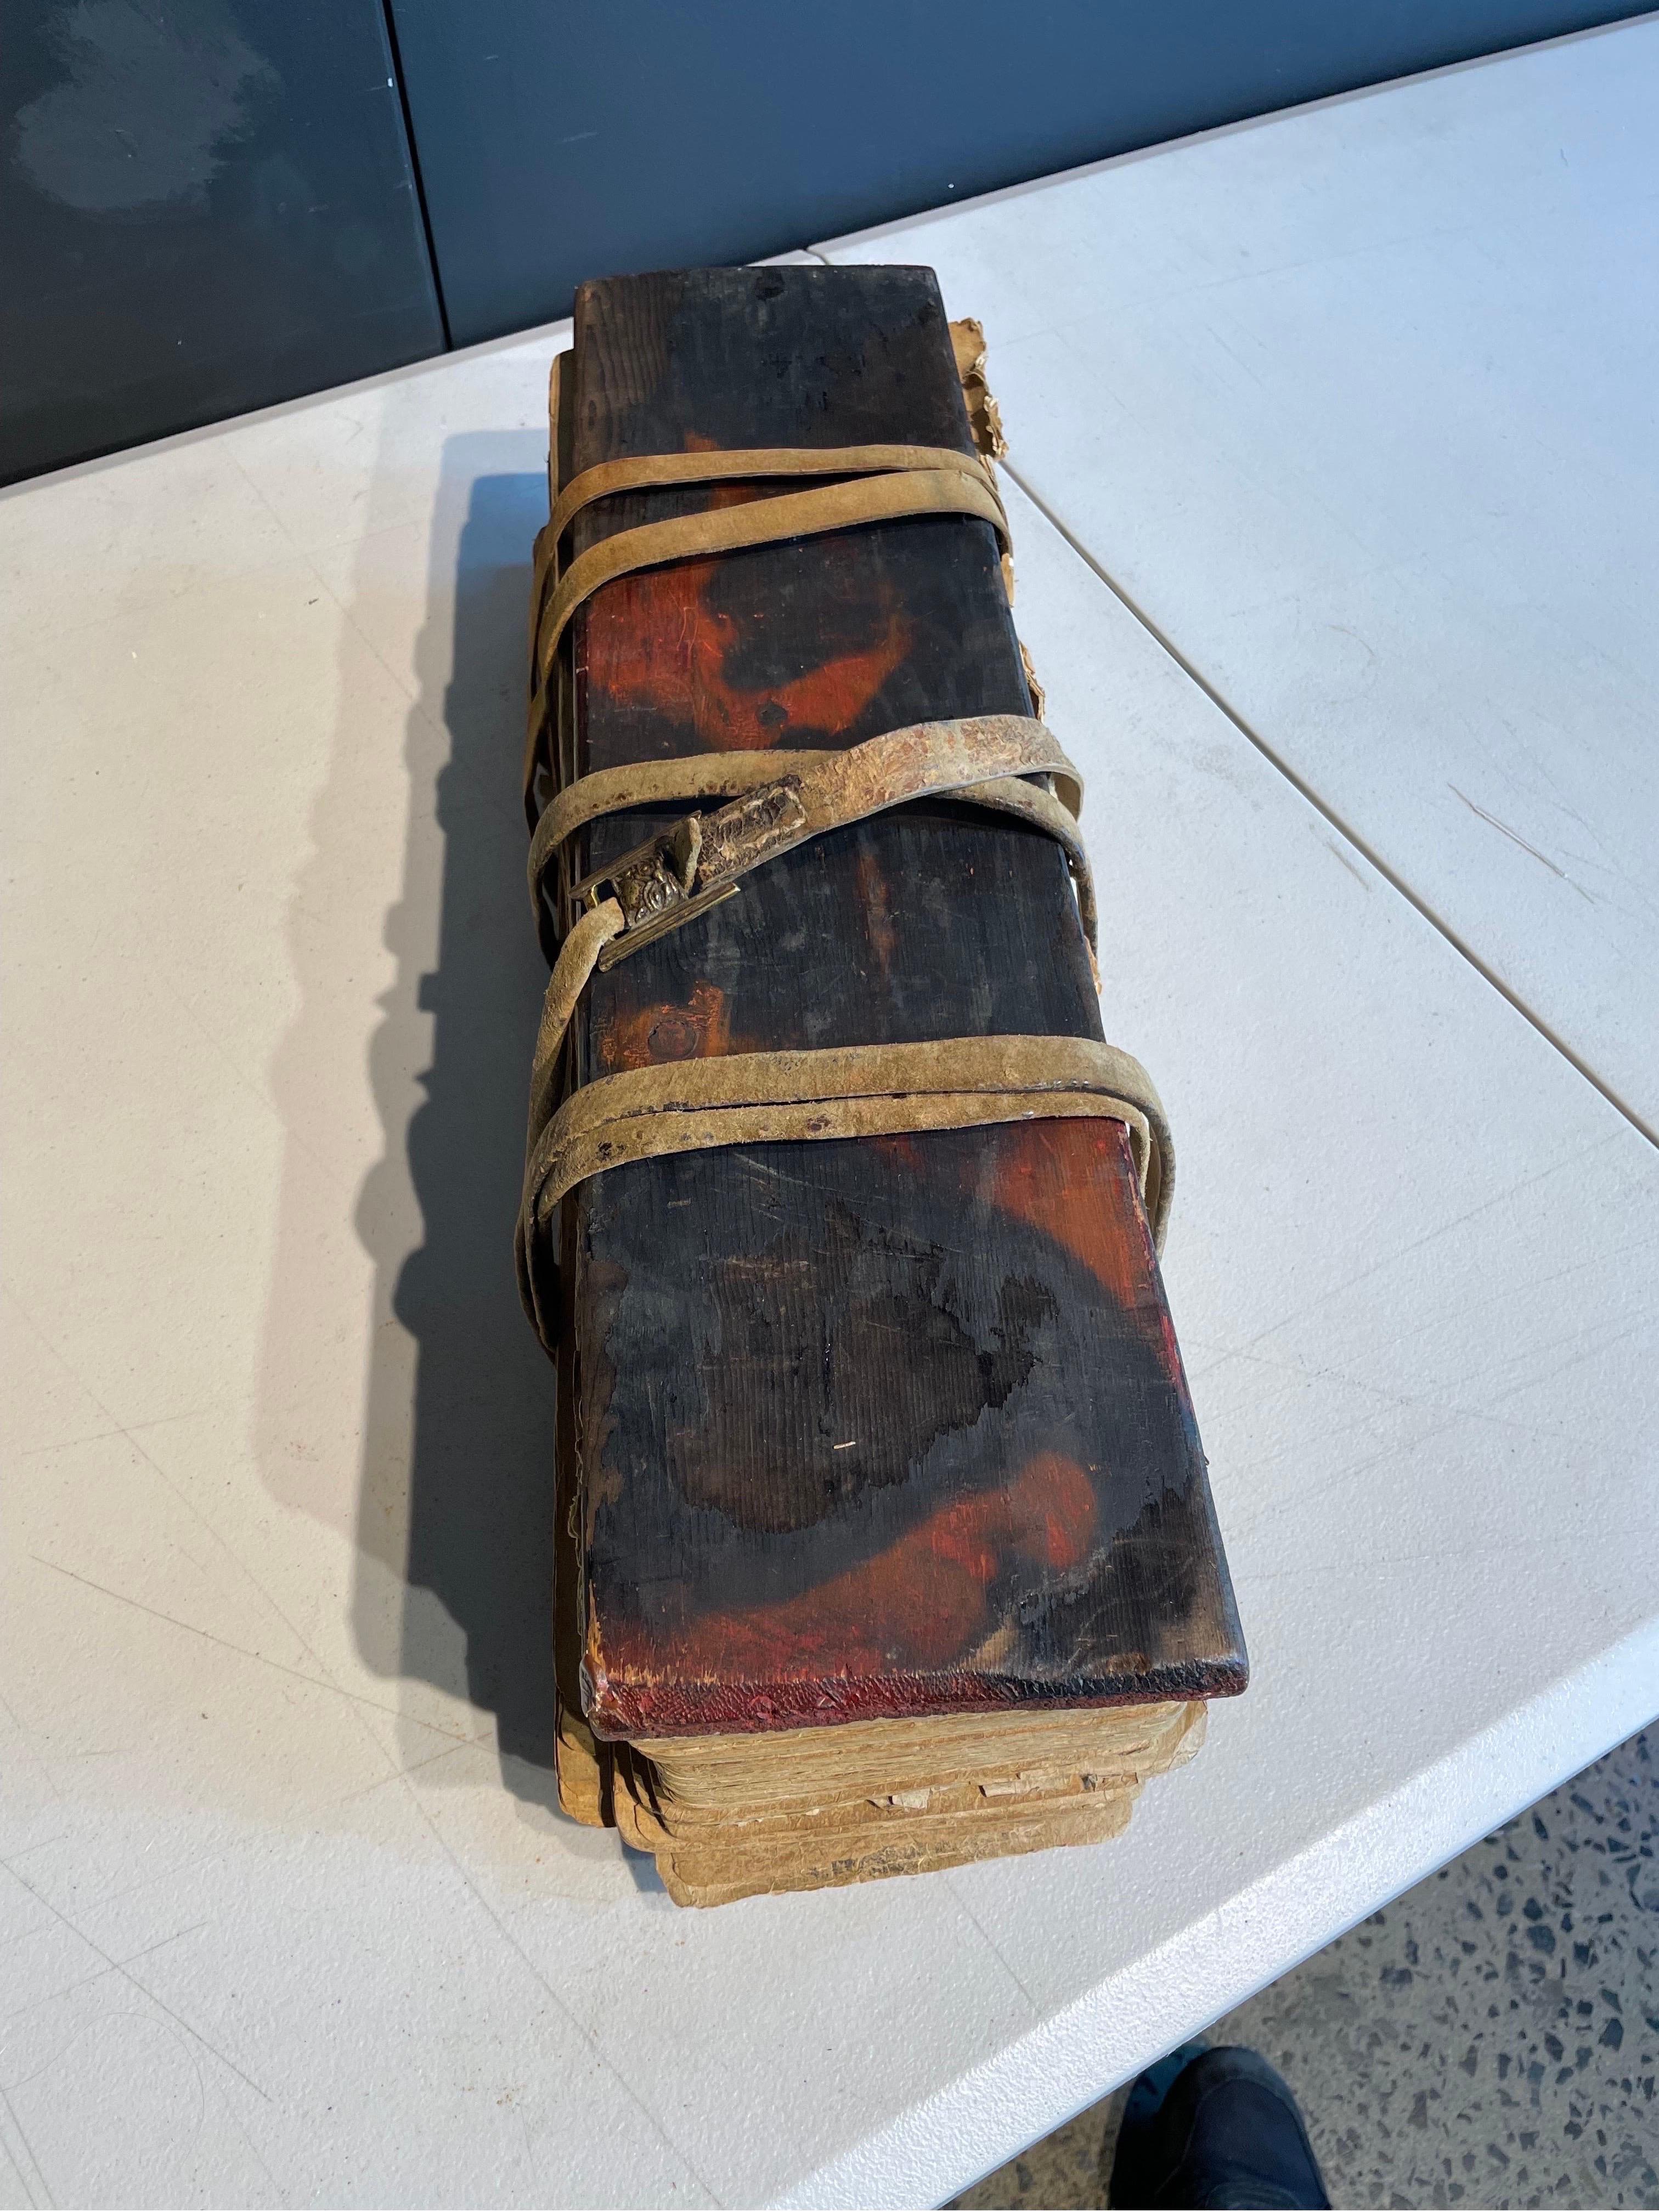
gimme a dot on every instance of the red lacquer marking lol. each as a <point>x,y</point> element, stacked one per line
<point>1075,1181</point>
<point>653,640</point>
<point>700,1030</point>
<point>920,1605</point>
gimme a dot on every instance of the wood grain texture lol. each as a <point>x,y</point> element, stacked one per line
<point>856,1429</point>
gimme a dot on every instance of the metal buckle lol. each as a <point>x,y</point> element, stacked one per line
<point>684,871</point>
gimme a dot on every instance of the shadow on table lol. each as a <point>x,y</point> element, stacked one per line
<point>429,1447</point>
<point>456,1492</point>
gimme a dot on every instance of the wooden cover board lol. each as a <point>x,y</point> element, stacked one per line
<point>851,1428</point>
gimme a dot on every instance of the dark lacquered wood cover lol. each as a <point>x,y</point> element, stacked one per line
<point>856,1428</point>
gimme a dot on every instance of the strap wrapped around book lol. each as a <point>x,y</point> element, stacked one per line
<point>683,872</point>
<point>783,1096</point>
<point>845,1091</point>
<point>730,464</point>
<point>886,494</point>
<point>729,776</point>
<point>778,799</point>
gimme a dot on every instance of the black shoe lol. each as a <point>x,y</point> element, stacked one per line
<point>1206,2129</point>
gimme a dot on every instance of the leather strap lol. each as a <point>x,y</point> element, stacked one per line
<point>961,489</point>
<point>571,971</point>
<point>847,1090</point>
<point>782,1096</point>
<point>709,776</point>
<point>724,776</point>
<point>751,464</point>
<point>979,758</point>
<point>683,871</point>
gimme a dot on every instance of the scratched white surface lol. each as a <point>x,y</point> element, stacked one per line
<point>284,1915</point>
<point>1358,406</point>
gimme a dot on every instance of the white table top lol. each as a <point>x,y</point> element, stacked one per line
<point>285,1916</point>
<point>1357,406</point>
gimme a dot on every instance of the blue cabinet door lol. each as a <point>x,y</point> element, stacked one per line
<point>563,139</point>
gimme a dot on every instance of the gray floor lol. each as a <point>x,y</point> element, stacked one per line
<point>1491,2038</point>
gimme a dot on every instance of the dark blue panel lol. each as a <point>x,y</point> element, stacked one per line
<point>205,206</point>
<point>562,139</point>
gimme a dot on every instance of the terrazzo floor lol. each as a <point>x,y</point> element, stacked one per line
<point>1491,2038</point>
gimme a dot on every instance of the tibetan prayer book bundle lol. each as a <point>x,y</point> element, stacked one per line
<point>885,1539</point>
